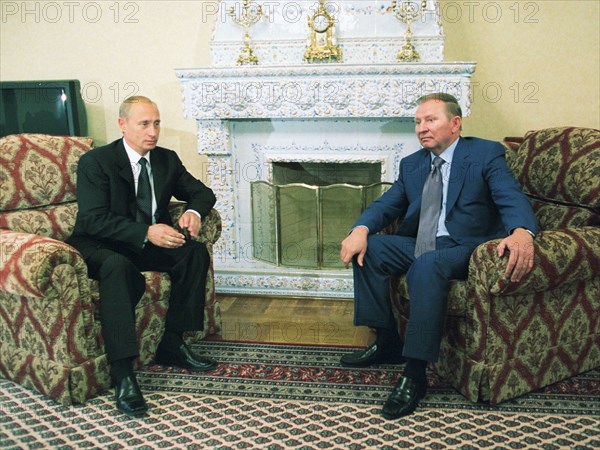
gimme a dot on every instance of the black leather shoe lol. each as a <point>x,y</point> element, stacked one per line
<point>369,356</point>
<point>404,399</point>
<point>186,359</point>
<point>129,397</point>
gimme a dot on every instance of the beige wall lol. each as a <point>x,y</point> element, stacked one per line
<point>537,61</point>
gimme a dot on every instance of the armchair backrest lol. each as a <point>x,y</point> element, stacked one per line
<point>559,169</point>
<point>39,175</point>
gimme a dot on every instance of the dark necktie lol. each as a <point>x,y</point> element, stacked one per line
<point>144,195</point>
<point>431,205</point>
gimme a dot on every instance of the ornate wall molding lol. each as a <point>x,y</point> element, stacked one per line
<point>213,137</point>
<point>337,285</point>
<point>321,91</point>
<point>387,155</point>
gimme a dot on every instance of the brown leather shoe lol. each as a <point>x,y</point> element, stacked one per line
<point>404,399</point>
<point>369,356</point>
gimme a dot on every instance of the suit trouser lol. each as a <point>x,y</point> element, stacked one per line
<point>428,280</point>
<point>122,285</point>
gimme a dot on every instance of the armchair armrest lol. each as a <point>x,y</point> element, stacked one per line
<point>561,257</point>
<point>210,230</point>
<point>28,261</point>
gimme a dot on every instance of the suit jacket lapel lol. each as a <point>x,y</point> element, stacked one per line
<point>422,169</point>
<point>158,174</point>
<point>458,173</point>
<point>126,172</point>
<point>124,165</point>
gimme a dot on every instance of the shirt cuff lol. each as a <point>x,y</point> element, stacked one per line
<point>195,212</point>
<point>529,231</point>
<point>359,226</point>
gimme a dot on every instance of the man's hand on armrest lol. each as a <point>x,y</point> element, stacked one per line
<point>522,251</point>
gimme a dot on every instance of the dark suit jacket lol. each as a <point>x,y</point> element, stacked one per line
<point>484,199</point>
<point>106,195</point>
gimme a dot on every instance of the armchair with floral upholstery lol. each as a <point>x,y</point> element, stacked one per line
<point>502,339</point>
<point>50,337</point>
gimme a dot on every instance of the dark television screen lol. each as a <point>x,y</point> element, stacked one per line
<point>50,107</point>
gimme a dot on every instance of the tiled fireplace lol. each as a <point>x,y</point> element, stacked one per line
<point>294,149</point>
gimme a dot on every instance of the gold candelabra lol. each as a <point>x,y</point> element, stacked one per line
<point>249,14</point>
<point>407,11</point>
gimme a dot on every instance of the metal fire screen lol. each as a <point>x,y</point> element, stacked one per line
<point>301,218</point>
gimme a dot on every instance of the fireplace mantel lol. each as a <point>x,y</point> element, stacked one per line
<point>276,106</point>
<point>319,91</point>
<point>358,110</point>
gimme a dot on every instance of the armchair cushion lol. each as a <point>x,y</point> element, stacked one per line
<point>39,170</point>
<point>557,169</point>
<point>51,221</point>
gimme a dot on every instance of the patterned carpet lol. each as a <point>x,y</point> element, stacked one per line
<point>277,397</point>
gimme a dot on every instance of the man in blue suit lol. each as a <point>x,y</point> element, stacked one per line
<point>478,200</point>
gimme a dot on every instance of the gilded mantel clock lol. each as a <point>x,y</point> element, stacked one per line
<point>322,45</point>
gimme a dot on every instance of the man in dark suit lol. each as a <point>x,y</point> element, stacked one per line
<point>462,191</point>
<point>123,227</point>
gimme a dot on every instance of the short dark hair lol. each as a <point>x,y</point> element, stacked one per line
<point>452,106</point>
<point>129,102</point>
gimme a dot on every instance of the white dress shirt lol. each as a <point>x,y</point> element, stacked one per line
<point>134,159</point>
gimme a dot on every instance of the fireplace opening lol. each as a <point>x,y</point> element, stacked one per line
<point>300,219</point>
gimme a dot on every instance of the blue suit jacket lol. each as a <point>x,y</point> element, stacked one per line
<point>484,199</point>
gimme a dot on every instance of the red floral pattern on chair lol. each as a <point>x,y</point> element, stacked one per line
<point>39,170</point>
<point>50,336</point>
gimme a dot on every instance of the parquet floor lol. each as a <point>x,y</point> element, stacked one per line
<point>291,320</point>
